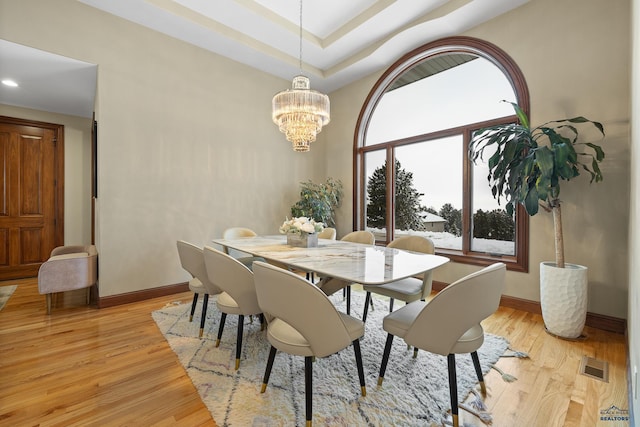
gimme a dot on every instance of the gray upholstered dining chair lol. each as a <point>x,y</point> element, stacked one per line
<point>236,233</point>
<point>361,236</point>
<point>68,268</point>
<point>312,327</point>
<point>331,285</point>
<point>409,289</point>
<point>327,233</point>
<point>238,291</point>
<point>192,260</point>
<point>449,324</point>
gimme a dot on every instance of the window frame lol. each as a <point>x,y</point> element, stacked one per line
<point>459,44</point>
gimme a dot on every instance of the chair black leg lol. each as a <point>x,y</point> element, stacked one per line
<point>453,387</point>
<point>223,317</point>
<point>239,340</point>
<point>356,349</point>
<point>385,358</point>
<point>476,364</point>
<point>348,299</point>
<point>205,303</point>
<point>261,317</point>
<point>193,306</point>
<point>308,388</point>
<point>390,305</point>
<point>267,371</point>
<point>367,300</point>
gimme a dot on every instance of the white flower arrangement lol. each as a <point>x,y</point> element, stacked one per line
<point>301,224</point>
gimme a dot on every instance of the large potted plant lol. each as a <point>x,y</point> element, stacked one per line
<point>319,201</point>
<point>526,166</point>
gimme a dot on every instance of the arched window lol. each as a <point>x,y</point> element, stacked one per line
<point>419,117</point>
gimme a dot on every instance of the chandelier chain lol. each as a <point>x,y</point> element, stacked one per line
<point>300,53</point>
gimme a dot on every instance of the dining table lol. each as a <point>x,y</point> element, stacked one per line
<point>351,262</point>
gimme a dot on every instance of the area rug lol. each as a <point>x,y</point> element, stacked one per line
<point>5,293</point>
<point>415,391</point>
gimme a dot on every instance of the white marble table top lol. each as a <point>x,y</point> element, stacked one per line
<point>365,264</point>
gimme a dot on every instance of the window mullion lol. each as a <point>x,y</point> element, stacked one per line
<point>466,193</point>
<point>391,190</point>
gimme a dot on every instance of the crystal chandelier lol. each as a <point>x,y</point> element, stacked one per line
<point>300,112</point>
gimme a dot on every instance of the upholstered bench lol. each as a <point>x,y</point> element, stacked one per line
<point>68,268</point>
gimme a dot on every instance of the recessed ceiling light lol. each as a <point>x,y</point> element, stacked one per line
<point>8,82</point>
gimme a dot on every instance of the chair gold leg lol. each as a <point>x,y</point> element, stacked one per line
<point>483,388</point>
<point>385,358</point>
<point>455,421</point>
<point>237,364</point>
<point>201,332</point>
<point>263,388</point>
<point>217,342</point>
<point>358,355</point>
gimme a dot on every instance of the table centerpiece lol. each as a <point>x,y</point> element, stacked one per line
<point>301,231</point>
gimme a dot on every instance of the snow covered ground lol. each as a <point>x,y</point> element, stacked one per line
<point>449,241</point>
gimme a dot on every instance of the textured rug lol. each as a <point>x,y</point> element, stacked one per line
<point>5,293</point>
<point>415,391</point>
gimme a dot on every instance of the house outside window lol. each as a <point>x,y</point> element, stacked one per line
<point>419,118</point>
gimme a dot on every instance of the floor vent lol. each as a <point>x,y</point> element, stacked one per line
<point>594,368</point>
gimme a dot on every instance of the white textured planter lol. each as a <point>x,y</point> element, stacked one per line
<point>563,297</point>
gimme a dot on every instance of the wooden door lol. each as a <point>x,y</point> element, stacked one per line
<point>31,193</point>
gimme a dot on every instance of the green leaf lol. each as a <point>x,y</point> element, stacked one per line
<point>531,202</point>
<point>598,150</point>
<point>596,169</point>
<point>522,117</point>
<point>509,208</point>
<point>544,158</point>
<point>561,152</point>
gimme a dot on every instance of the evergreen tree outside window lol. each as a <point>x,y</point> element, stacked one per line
<point>420,116</point>
<point>407,200</point>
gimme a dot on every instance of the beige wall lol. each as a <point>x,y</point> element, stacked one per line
<point>634,229</point>
<point>576,62</point>
<point>77,171</point>
<point>187,147</point>
<point>186,143</point>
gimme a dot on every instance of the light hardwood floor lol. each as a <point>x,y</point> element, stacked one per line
<point>84,366</point>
